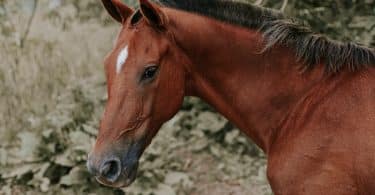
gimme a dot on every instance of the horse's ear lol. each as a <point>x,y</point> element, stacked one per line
<point>118,10</point>
<point>152,12</point>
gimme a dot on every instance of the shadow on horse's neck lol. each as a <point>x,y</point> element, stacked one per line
<point>254,90</point>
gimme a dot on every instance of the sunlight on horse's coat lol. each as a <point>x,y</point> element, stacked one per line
<point>121,59</point>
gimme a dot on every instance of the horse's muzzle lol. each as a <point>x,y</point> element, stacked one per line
<point>114,170</point>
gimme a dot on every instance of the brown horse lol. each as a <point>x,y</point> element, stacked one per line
<point>307,101</point>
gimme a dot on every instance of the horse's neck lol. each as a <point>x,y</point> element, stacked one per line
<point>253,90</point>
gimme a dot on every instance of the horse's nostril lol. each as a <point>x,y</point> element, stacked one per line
<point>111,170</point>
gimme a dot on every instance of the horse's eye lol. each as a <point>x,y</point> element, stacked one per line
<point>149,73</point>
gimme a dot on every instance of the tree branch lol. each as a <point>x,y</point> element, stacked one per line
<point>29,22</point>
<point>285,3</point>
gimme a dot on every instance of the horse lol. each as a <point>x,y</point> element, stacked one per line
<point>307,101</point>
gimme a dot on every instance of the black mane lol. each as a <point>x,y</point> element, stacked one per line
<point>310,48</point>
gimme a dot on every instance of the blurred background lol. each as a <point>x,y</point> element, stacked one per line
<point>52,93</point>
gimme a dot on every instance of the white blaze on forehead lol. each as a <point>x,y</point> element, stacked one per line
<point>121,58</point>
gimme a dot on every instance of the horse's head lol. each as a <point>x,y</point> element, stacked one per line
<point>146,85</point>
